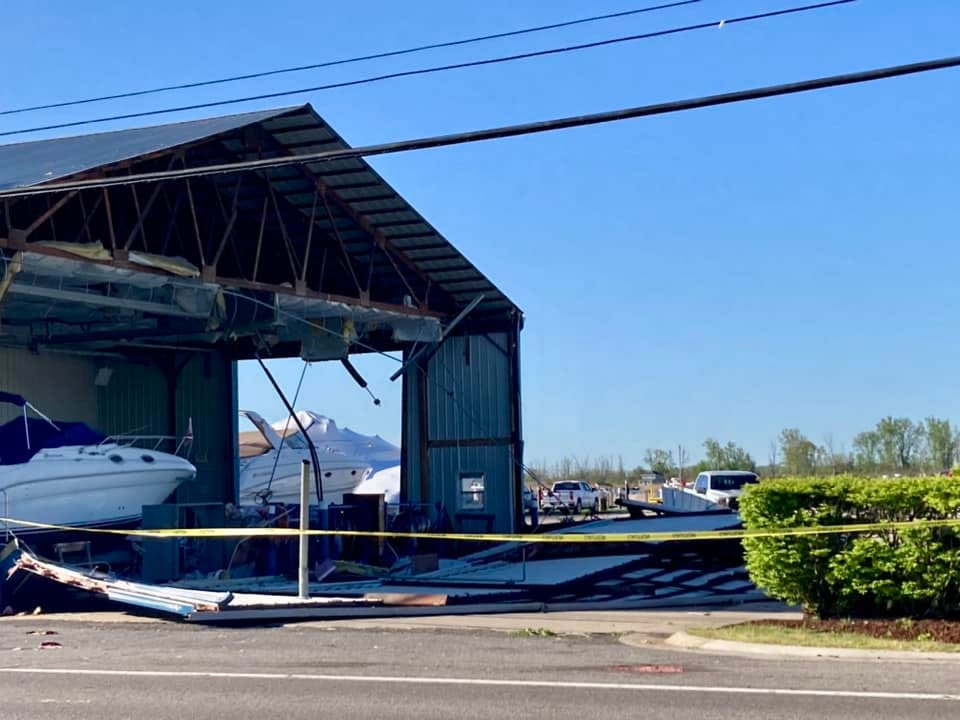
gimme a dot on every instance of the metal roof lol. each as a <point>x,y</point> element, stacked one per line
<point>32,163</point>
<point>369,210</point>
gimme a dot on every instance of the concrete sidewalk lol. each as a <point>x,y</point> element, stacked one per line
<point>685,641</point>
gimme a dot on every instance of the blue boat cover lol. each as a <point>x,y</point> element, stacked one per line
<point>13,437</point>
<point>12,399</point>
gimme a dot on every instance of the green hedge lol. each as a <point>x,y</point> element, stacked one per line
<point>912,573</point>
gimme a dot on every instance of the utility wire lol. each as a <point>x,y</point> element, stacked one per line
<point>438,68</point>
<point>351,60</point>
<point>506,131</point>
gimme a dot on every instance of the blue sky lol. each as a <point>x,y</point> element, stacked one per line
<point>725,272</point>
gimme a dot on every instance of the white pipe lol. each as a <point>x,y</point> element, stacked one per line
<point>304,574</point>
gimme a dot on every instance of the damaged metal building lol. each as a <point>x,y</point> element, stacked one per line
<point>127,306</point>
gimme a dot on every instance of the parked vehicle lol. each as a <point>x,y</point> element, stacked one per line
<point>67,473</point>
<point>723,487</point>
<point>574,494</point>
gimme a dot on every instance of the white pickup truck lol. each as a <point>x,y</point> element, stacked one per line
<point>723,488</point>
<point>574,494</point>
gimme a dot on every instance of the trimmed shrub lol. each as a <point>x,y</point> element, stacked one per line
<point>913,573</point>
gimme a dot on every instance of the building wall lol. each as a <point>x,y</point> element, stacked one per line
<point>61,386</point>
<point>461,419</point>
<point>206,394</point>
<point>137,401</point>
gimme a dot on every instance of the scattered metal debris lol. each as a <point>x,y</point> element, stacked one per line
<point>510,577</point>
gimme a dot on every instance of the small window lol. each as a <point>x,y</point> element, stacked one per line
<point>472,491</point>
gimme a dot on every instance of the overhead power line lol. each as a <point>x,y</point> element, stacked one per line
<point>506,131</point>
<point>352,60</point>
<point>439,68</point>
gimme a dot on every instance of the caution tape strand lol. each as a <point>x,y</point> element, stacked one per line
<point>573,537</point>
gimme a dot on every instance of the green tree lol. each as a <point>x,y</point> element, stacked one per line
<point>866,451</point>
<point>941,443</point>
<point>798,453</point>
<point>659,460</point>
<point>900,439</point>
<point>725,457</point>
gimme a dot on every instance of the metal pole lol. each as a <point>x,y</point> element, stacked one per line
<point>304,576</point>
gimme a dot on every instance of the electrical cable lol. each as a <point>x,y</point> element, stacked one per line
<point>351,60</point>
<point>286,428</point>
<point>504,131</point>
<point>436,69</point>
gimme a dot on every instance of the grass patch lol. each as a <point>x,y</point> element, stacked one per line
<point>772,635</point>
<point>535,632</point>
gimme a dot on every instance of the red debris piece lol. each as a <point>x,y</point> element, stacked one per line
<point>649,669</point>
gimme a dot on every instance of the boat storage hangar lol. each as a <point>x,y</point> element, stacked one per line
<point>126,306</point>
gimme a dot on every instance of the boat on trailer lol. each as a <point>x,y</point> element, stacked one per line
<point>67,473</point>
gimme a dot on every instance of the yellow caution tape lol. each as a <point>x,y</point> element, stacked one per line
<point>500,537</point>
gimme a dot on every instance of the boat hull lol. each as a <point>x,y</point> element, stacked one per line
<point>79,489</point>
<point>285,488</point>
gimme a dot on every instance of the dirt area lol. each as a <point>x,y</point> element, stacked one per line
<point>944,631</point>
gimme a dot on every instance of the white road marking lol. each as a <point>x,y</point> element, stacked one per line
<point>552,684</point>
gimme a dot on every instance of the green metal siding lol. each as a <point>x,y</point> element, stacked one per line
<point>204,390</point>
<point>59,385</point>
<point>134,402</point>
<point>468,427</point>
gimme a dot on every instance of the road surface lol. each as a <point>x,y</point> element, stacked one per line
<point>164,671</point>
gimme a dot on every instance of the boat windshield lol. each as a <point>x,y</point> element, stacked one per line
<point>732,482</point>
<point>295,441</point>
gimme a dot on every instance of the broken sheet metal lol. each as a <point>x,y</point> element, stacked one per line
<point>70,279</point>
<point>674,523</point>
<point>194,605</point>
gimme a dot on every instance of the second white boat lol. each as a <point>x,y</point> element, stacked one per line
<point>270,467</point>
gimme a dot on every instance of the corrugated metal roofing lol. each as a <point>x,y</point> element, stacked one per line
<point>32,163</point>
<point>295,130</point>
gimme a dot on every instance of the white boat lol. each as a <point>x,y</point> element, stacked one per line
<point>270,467</point>
<point>67,473</point>
<point>327,437</point>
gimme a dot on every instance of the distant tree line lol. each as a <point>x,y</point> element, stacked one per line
<point>893,446</point>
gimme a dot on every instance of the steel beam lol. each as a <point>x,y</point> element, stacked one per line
<point>85,230</point>
<point>142,215</point>
<point>196,224</point>
<point>51,210</point>
<point>343,247</point>
<point>112,232</point>
<point>263,223</point>
<point>306,252</point>
<point>230,219</point>
<point>283,232</point>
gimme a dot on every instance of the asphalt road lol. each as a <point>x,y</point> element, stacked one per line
<point>161,671</point>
